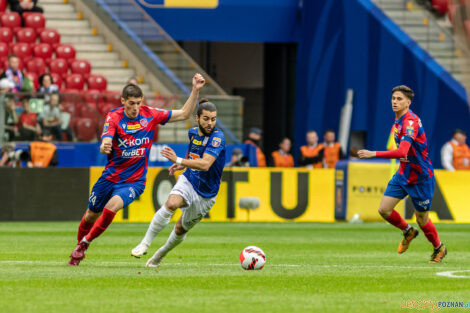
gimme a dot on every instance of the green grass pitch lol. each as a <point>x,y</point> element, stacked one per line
<point>311,267</point>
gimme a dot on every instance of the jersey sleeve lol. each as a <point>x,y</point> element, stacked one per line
<point>161,116</point>
<point>109,128</point>
<point>216,145</point>
<point>410,129</point>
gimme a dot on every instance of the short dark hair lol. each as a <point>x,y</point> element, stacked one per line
<point>41,78</point>
<point>407,91</point>
<point>12,56</point>
<point>131,90</point>
<point>311,131</point>
<point>204,104</point>
<point>329,130</point>
<point>458,131</point>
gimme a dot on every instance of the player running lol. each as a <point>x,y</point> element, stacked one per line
<point>415,177</point>
<point>196,188</point>
<point>127,138</point>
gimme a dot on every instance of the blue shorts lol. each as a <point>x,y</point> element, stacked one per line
<point>103,190</point>
<point>421,194</point>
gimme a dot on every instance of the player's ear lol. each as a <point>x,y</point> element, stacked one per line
<point>123,101</point>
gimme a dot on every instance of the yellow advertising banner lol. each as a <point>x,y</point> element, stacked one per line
<point>284,194</point>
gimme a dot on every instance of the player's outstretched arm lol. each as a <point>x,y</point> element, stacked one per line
<point>185,112</point>
<point>202,164</point>
<point>399,153</point>
<point>106,145</point>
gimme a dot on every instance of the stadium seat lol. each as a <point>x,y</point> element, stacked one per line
<point>50,36</point>
<point>11,20</point>
<point>74,81</point>
<point>43,51</point>
<point>21,66</point>
<point>6,35</point>
<point>105,107</point>
<point>66,52</point>
<point>35,20</point>
<point>3,5</point>
<point>22,51</point>
<point>91,97</point>
<point>57,79</point>
<point>441,6</point>
<point>114,97</point>
<point>88,111</point>
<point>36,65</point>
<point>81,67</point>
<point>27,35</point>
<point>4,52</point>
<point>34,78</point>
<point>86,129</point>
<point>466,24</point>
<point>98,82</point>
<point>59,66</point>
<point>70,96</point>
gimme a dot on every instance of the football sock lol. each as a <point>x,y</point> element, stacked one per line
<point>160,219</point>
<point>172,242</point>
<point>430,232</point>
<point>100,225</point>
<point>396,220</point>
<point>84,228</point>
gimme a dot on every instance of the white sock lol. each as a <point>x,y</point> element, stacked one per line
<point>160,219</point>
<point>172,242</point>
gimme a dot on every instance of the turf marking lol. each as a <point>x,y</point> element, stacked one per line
<point>451,274</point>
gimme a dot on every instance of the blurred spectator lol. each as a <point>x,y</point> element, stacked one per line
<point>28,123</point>
<point>455,155</point>
<point>282,157</point>
<point>51,118</point>
<point>332,150</point>
<point>13,73</point>
<point>254,139</point>
<point>238,159</point>
<point>21,6</point>
<point>46,86</point>
<point>42,153</point>
<point>311,155</point>
<point>10,157</point>
<point>11,120</point>
<point>133,80</point>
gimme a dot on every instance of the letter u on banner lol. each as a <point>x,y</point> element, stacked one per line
<point>276,195</point>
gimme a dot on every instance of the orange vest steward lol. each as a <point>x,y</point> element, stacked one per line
<point>331,155</point>
<point>461,156</point>
<point>308,152</point>
<point>42,153</point>
<point>259,154</point>
<point>282,160</point>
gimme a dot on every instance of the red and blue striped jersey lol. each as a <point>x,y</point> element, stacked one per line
<point>132,141</point>
<point>416,167</point>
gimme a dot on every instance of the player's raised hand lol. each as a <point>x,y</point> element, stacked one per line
<point>106,147</point>
<point>366,154</point>
<point>198,81</point>
<point>174,168</point>
<point>168,153</point>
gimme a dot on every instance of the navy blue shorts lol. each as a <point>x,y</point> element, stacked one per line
<point>421,193</point>
<point>103,190</point>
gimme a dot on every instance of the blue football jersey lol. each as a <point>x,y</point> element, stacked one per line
<point>207,183</point>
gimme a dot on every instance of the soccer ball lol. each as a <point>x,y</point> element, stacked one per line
<point>252,258</point>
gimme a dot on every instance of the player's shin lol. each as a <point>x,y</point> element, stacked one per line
<point>84,228</point>
<point>172,242</point>
<point>100,225</point>
<point>430,232</point>
<point>396,220</point>
<point>160,219</point>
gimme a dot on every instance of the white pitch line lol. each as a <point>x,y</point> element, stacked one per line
<point>451,274</point>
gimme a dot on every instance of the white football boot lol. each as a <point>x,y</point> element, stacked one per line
<point>154,261</point>
<point>140,250</point>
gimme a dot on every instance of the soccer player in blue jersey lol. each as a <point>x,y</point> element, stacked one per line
<point>415,177</point>
<point>196,188</point>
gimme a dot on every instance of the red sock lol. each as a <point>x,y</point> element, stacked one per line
<point>100,225</point>
<point>431,233</point>
<point>396,220</point>
<point>84,228</point>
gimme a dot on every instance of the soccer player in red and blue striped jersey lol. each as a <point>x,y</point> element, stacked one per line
<point>127,139</point>
<point>415,177</point>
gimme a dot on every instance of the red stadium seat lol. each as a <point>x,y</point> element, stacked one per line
<point>36,65</point>
<point>105,107</point>
<point>34,79</point>
<point>59,66</point>
<point>43,51</point>
<point>70,96</point>
<point>50,36</point>
<point>75,81</point>
<point>81,67</point>
<point>11,20</point>
<point>57,79</point>
<point>86,129</point>
<point>88,111</point>
<point>35,20</point>
<point>27,35</point>
<point>91,97</point>
<point>6,35</point>
<point>466,24</point>
<point>21,66</point>
<point>4,52</point>
<point>98,82</point>
<point>22,51</point>
<point>114,97</point>
<point>65,51</point>
<point>441,6</point>
<point>3,5</point>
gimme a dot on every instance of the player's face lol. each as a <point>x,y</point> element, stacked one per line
<point>400,102</point>
<point>131,106</point>
<point>207,121</point>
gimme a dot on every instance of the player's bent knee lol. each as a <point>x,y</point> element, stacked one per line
<point>91,216</point>
<point>179,230</point>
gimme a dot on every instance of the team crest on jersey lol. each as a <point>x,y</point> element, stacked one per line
<point>124,126</point>
<point>216,141</point>
<point>143,122</point>
<point>106,127</point>
<point>409,131</point>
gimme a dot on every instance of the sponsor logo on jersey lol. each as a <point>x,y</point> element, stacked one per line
<point>197,142</point>
<point>127,143</point>
<point>410,122</point>
<point>106,127</point>
<point>134,126</point>
<point>108,118</point>
<point>409,131</point>
<point>143,122</point>
<point>136,153</point>
<point>216,141</point>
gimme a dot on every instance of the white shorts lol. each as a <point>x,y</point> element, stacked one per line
<point>197,206</point>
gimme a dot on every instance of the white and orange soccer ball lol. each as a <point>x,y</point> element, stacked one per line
<point>252,258</point>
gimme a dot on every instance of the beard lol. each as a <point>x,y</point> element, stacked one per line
<point>204,131</point>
